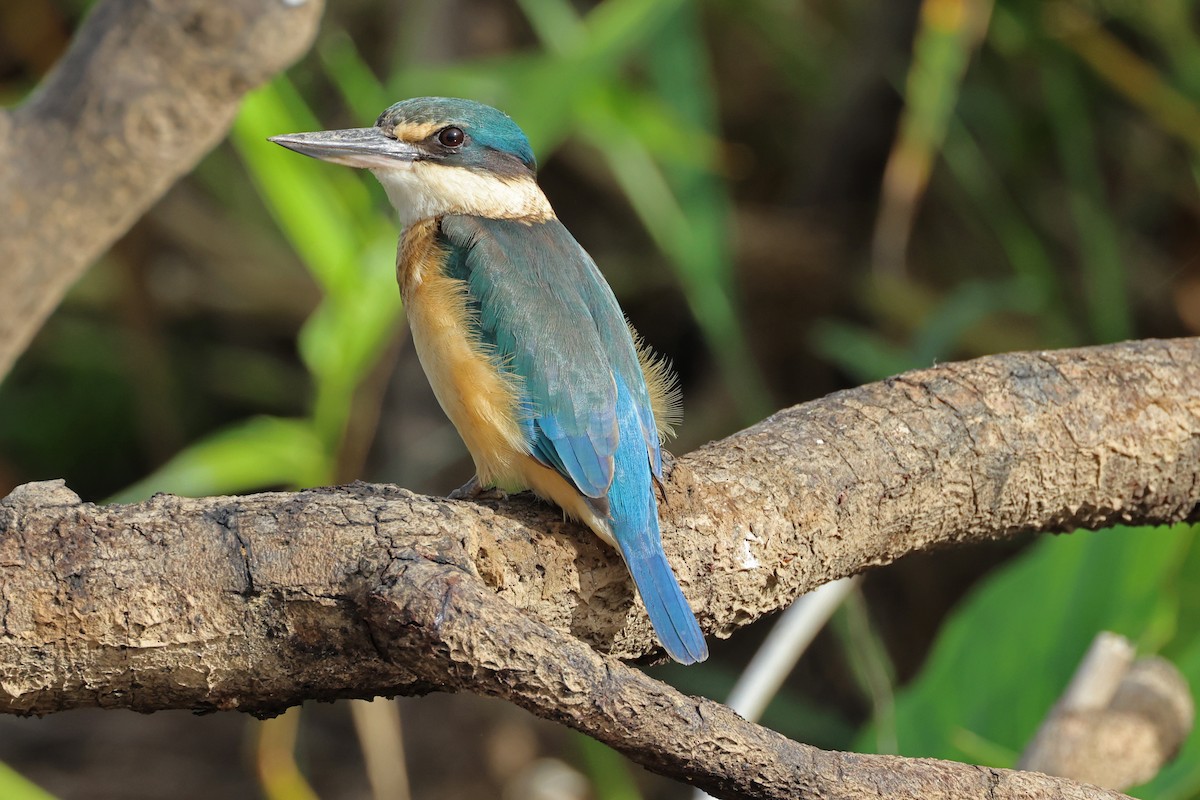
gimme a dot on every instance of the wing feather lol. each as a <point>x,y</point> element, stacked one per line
<point>540,301</point>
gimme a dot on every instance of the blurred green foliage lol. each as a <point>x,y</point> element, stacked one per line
<point>15,787</point>
<point>574,87</point>
<point>1040,170</point>
<point>1006,654</point>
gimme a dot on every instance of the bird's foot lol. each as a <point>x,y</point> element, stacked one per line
<point>474,490</point>
<point>668,467</point>
<point>668,464</point>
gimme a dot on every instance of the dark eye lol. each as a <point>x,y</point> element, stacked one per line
<point>451,137</point>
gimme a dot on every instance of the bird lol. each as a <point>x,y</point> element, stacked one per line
<point>520,335</point>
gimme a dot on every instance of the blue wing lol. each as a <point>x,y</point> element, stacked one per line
<point>541,302</point>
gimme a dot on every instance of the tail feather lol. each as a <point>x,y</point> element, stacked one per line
<point>669,611</point>
<point>634,521</point>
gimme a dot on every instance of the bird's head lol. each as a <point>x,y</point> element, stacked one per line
<point>437,156</point>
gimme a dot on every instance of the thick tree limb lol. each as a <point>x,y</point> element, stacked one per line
<point>259,602</point>
<point>146,89</point>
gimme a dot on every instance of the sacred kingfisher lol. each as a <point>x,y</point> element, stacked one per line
<point>519,334</point>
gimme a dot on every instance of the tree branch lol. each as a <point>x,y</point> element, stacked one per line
<point>260,602</point>
<point>145,90</point>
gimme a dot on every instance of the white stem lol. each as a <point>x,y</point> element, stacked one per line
<point>782,648</point>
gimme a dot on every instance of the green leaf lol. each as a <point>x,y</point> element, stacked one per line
<point>319,207</point>
<point>1027,254</point>
<point>969,303</point>
<point>345,336</point>
<point>556,23</point>
<point>1006,654</point>
<point>362,91</point>
<point>15,786</point>
<point>607,769</point>
<point>689,228</point>
<point>1099,237</point>
<point>257,453</point>
<point>859,352</point>
<point>345,241</point>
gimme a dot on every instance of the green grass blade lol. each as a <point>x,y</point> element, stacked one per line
<point>253,454</point>
<point>345,241</point>
<point>1102,253</point>
<point>556,24</point>
<point>607,769</point>
<point>861,353</point>
<point>319,207</point>
<point>15,786</point>
<point>946,38</point>
<point>362,91</point>
<point>871,665</point>
<point>1027,253</point>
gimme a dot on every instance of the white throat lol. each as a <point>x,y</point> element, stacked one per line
<point>423,189</point>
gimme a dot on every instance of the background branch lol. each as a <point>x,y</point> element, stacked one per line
<point>259,602</point>
<point>145,90</point>
<point>1118,722</point>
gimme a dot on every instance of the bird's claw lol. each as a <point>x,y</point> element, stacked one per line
<point>474,490</point>
<point>668,464</point>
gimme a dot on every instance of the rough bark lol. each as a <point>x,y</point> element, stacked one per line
<point>260,602</point>
<point>145,90</point>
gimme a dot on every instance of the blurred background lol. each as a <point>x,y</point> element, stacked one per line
<point>788,197</point>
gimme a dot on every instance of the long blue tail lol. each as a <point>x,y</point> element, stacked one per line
<point>634,518</point>
<point>669,612</point>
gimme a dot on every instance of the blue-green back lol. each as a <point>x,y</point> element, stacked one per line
<point>541,302</point>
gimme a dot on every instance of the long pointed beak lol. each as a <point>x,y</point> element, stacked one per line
<point>365,148</point>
